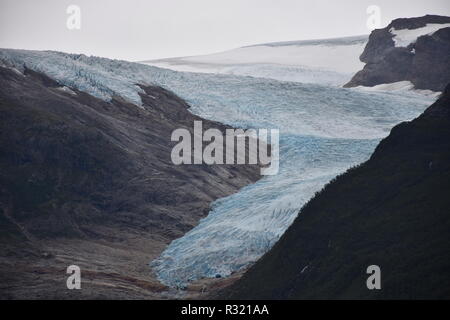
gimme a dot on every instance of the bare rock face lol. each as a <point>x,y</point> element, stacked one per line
<point>426,62</point>
<point>89,182</point>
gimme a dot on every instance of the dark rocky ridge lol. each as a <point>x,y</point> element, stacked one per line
<point>89,182</point>
<point>426,63</point>
<point>392,211</point>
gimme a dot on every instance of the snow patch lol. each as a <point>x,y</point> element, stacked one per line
<point>400,86</point>
<point>404,37</point>
<point>66,90</point>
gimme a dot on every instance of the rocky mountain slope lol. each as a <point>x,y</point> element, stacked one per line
<point>412,49</point>
<point>391,211</point>
<point>90,182</point>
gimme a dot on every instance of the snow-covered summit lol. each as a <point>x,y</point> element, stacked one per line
<point>326,61</point>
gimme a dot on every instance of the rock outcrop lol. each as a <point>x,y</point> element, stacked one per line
<point>425,62</point>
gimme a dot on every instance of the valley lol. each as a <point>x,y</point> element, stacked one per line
<point>90,179</point>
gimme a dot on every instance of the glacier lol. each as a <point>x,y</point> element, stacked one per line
<point>324,130</point>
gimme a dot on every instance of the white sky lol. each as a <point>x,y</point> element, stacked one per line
<point>150,29</point>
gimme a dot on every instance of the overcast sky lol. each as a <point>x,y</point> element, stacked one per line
<point>150,29</point>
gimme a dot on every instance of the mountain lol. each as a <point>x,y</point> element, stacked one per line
<point>325,61</point>
<point>87,179</point>
<point>408,49</point>
<point>391,211</point>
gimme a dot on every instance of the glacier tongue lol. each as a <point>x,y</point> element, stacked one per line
<point>323,131</point>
